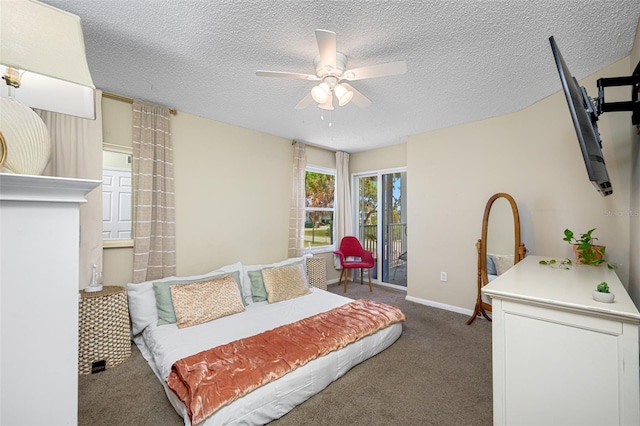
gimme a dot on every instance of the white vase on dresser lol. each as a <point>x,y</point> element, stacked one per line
<point>39,252</point>
<point>560,357</point>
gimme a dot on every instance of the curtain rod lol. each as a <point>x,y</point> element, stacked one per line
<point>129,100</point>
<point>293,142</point>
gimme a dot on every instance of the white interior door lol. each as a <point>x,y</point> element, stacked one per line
<point>116,203</point>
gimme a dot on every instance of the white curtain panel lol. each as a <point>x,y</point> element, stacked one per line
<point>77,153</point>
<point>344,217</point>
<point>298,196</point>
<point>154,240</point>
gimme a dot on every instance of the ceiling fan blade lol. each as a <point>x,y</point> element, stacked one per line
<point>283,74</point>
<point>373,71</point>
<point>358,98</point>
<point>327,49</point>
<point>305,102</point>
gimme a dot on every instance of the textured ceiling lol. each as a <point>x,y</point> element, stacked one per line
<point>466,60</point>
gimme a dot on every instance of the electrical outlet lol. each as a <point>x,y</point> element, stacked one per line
<point>443,276</point>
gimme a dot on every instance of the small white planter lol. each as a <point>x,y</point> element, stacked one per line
<point>603,297</point>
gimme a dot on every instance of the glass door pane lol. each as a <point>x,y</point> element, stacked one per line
<point>382,224</point>
<point>394,229</point>
<point>368,216</point>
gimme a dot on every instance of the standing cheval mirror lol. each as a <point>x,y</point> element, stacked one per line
<point>499,248</point>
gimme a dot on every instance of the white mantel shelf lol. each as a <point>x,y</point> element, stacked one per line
<point>44,188</point>
<point>568,289</point>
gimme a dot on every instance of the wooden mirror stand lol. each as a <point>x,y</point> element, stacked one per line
<point>482,307</point>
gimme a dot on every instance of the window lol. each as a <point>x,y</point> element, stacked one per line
<point>320,192</point>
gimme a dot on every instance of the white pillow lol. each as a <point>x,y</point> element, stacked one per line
<point>142,298</point>
<point>246,281</point>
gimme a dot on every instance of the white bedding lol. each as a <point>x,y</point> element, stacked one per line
<point>162,345</point>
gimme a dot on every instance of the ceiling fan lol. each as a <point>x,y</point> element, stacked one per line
<point>330,66</point>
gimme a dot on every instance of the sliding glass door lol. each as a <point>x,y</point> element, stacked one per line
<point>382,223</point>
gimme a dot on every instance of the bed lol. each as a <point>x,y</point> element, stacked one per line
<point>165,344</point>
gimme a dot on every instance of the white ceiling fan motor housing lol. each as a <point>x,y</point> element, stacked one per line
<point>322,71</point>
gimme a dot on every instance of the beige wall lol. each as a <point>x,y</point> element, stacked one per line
<point>233,189</point>
<point>320,157</point>
<point>533,155</point>
<point>117,122</point>
<point>378,159</point>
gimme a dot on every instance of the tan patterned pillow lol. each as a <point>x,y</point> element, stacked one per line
<point>285,282</point>
<point>205,301</point>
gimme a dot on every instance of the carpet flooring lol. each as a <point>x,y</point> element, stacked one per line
<point>437,373</point>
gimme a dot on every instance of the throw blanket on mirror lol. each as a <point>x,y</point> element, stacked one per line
<point>208,380</point>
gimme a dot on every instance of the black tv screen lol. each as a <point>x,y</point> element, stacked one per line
<point>584,117</point>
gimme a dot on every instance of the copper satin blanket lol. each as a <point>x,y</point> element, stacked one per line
<point>208,380</point>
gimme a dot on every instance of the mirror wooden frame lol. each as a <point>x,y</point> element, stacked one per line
<point>519,250</point>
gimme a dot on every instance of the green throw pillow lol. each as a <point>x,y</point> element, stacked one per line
<point>258,292</point>
<point>166,313</point>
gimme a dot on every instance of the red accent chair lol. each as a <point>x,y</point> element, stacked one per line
<point>351,247</point>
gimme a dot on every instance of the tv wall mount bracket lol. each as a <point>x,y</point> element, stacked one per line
<point>633,105</point>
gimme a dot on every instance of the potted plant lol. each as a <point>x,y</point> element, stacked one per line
<point>602,294</point>
<point>585,249</point>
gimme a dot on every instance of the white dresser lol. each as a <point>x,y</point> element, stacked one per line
<point>560,357</point>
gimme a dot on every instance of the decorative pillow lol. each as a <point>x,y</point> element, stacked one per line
<point>503,262</point>
<point>164,302</point>
<point>142,306</point>
<point>258,292</point>
<point>201,302</point>
<point>246,280</point>
<point>285,282</point>
<point>491,267</point>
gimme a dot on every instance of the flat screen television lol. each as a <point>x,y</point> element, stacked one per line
<point>584,116</point>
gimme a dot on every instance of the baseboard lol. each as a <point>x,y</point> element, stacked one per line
<point>439,305</point>
<point>426,302</point>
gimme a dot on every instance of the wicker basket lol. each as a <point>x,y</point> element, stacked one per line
<point>104,328</point>
<point>317,272</point>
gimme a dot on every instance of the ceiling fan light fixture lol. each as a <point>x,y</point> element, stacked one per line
<point>328,104</point>
<point>343,94</point>
<point>320,93</point>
